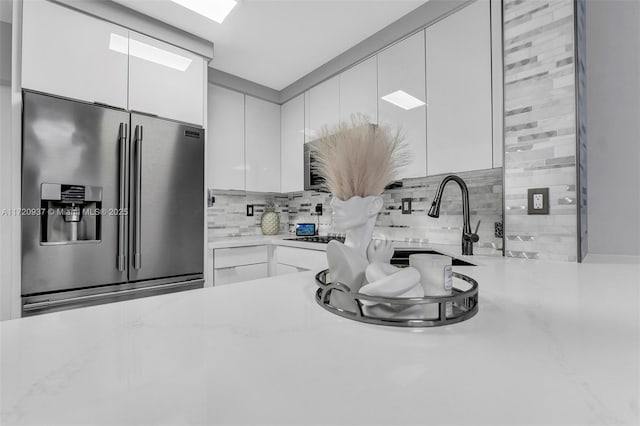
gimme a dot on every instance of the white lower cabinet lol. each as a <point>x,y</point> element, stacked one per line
<point>236,274</point>
<point>231,265</point>
<point>237,264</point>
<point>302,259</point>
<point>287,269</point>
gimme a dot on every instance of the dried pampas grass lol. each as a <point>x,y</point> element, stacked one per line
<point>359,159</point>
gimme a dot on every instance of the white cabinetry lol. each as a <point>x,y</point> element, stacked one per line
<point>301,259</point>
<point>358,91</point>
<point>262,145</point>
<point>238,264</point>
<point>74,55</point>
<point>70,54</point>
<point>225,139</point>
<point>459,118</point>
<point>292,145</point>
<point>165,80</point>
<point>243,142</point>
<point>401,78</point>
<point>324,106</point>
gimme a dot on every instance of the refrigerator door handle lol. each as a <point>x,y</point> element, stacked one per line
<point>124,165</point>
<point>137,256</point>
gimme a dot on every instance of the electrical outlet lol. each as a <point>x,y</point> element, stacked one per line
<point>538,204</point>
<point>249,209</point>
<point>319,209</point>
<point>406,206</point>
<point>538,201</point>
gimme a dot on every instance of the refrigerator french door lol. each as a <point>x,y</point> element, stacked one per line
<point>113,204</point>
<point>168,179</point>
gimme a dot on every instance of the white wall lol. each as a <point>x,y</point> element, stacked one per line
<point>613,126</point>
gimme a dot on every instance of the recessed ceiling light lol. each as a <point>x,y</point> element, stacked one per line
<point>215,10</point>
<point>403,100</point>
<point>147,52</point>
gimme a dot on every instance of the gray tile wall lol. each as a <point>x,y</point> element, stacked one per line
<point>582,122</point>
<point>540,127</point>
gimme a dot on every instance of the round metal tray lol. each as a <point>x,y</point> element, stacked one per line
<point>461,305</point>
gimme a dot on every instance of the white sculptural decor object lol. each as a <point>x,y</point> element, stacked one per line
<point>357,161</point>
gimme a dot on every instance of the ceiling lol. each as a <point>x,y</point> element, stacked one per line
<point>276,42</point>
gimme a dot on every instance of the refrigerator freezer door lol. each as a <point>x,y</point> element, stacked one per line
<point>166,227</point>
<point>72,148</point>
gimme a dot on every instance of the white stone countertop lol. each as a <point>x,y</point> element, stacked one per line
<point>552,344</point>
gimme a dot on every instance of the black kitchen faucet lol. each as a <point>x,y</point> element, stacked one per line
<point>468,237</point>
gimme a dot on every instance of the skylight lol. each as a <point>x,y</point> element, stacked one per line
<point>215,10</point>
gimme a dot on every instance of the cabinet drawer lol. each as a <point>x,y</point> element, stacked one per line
<point>314,260</point>
<point>225,258</point>
<point>240,273</point>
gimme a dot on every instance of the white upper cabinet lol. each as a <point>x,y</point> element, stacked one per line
<point>324,107</point>
<point>401,98</point>
<point>262,145</point>
<point>225,139</point>
<point>359,90</point>
<point>459,119</point>
<point>165,80</point>
<point>74,55</point>
<point>292,145</point>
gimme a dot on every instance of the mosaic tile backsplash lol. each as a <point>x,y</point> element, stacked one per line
<point>228,216</point>
<point>540,127</point>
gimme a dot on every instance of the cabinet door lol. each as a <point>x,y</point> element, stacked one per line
<point>359,91</point>
<point>401,102</point>
<point>292,145</point>
<point>238,274</point>
<point>165,80</point>
<point>73,55</point>
<point>225,139</point>
<point>324,101</point>
<point>459,127</point>
<point>262,145</point>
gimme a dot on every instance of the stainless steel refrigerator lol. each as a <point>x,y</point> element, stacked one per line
<point>113,204</point>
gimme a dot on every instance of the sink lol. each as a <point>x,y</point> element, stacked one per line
<point>401,257</point>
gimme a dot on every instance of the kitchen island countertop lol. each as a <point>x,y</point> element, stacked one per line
<point>553,343</point>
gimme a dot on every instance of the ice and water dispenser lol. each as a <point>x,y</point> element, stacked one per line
<point>70,213</point>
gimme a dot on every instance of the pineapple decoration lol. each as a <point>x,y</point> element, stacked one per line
<point>270,222</point>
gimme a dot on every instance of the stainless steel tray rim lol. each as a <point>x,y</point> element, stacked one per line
<point>463,298</point>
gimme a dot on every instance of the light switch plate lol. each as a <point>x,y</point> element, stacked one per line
<point>538,201</point>
<point>406,206</point>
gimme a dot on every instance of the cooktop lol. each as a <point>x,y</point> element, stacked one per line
<point>317,239</point>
